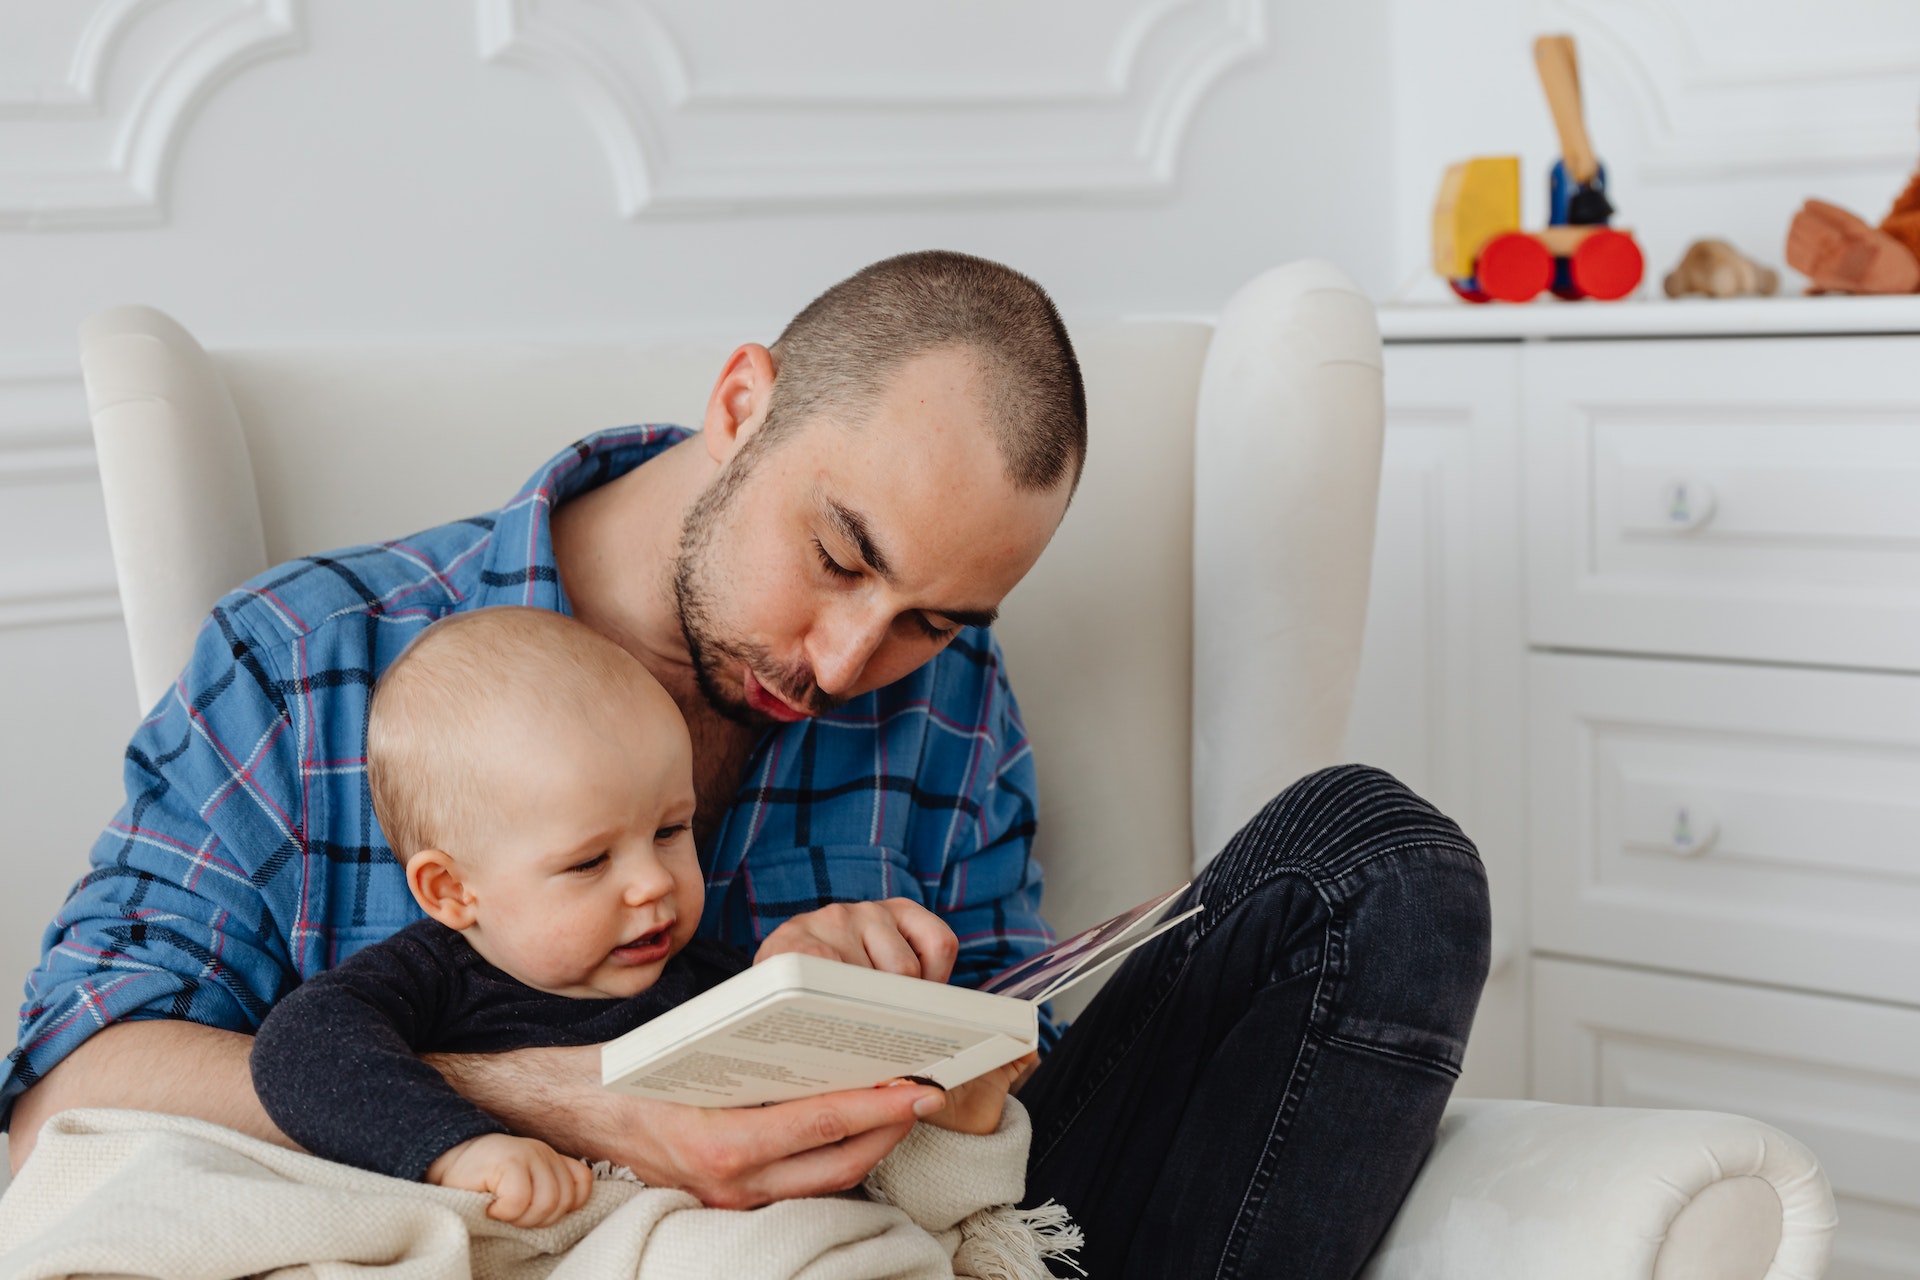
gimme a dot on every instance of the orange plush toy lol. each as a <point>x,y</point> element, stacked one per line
<point>1903,224</point>
<point>1840,253</point>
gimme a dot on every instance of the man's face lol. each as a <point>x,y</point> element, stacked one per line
<point>841,557</point>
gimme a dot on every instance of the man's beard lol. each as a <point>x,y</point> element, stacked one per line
<point>694,595</point>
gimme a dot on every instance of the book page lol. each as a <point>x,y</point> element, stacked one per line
<point>799,1047</point>
<point>1064,963</point>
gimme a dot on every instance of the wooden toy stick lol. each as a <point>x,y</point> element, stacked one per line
<point>1559,68</point>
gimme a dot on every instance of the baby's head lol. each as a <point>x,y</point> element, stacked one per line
<point>537,784</point>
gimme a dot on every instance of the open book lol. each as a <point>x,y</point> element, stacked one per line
<point>797,1025</point>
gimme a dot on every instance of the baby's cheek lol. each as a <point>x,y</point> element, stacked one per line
<point>689,899</point>
<point>563,952</point>
<point>552,970</point>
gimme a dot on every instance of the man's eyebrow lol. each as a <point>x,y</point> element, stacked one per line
<point>853,527</point>
<point>967,617</point>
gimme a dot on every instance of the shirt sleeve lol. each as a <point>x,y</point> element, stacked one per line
<point>337,1065</point>
<point>990,891</point>
<point>170,920</point>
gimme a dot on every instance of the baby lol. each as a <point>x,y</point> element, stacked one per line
<point>537,784</point>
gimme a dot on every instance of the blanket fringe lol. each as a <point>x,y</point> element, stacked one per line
<point>1006,1243</point>
<point>1002,1243</point>
<point>607,1170</point>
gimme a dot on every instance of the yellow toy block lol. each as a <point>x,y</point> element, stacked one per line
<point>1479,199</point>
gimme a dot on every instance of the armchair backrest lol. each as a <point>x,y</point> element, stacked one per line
<point>215,466</point>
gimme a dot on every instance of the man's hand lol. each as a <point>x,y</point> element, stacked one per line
<point>730,1158</point>
<point>740,1158</point>
<point>532,1185</point>
<point>897,935</point>
<point>975,1107</point>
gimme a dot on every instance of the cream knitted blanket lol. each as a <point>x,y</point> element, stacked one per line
<point>113,1193</point>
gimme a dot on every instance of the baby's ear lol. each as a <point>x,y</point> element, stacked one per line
<point>434,877</point>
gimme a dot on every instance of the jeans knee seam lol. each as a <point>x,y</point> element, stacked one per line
<point>1315,1034</point>
<point>1326,884</point>
<point>1448,1069</point>
<point>1097,1079</point>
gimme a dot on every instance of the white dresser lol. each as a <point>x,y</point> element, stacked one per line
<point>1646,619</point>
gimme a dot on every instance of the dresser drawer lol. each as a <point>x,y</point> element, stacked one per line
<point>1842,1076</point>
<point>1750,822</point>
<point>1754,498</point>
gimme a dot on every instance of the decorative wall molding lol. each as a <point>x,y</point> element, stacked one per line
<point>86,39</point>
<point>1722,91</point>
<point>766,104</point>
<point>56,566</point>
<point>91,116</point>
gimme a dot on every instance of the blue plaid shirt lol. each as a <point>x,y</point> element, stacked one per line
<point>247,858</point>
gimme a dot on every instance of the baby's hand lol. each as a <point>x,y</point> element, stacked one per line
<point>975,1106</point>
<point>532,1184</point>
<point>897,935</point>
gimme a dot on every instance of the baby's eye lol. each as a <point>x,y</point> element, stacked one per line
<point>591,864</point>
<point>667,835</point>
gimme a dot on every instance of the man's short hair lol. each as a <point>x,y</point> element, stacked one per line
<point>450,695</point>
<point>841,351</point>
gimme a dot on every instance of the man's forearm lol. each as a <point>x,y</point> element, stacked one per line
<point>730,1159</point>
<point>187,1069</point>
<point>550,1094</point>
<point>735,1160</point>
<point>178,1068</point>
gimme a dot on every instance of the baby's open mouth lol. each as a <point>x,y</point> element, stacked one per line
<point>645,942</point>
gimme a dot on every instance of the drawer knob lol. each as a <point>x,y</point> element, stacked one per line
<point>1692,833</point>
<point>1687,503</point>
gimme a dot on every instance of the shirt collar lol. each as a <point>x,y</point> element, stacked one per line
<point>520,567</point>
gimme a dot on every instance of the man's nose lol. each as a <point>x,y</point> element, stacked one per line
<point>841,644</point>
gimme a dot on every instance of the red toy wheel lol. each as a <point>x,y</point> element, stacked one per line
<point>1469,292</point>
<point>1513,267</point>
<point>1607,265</point>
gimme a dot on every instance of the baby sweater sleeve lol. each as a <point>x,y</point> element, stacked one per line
<point>336,1063</point>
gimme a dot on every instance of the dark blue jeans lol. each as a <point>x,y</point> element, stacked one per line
<point>1252,1093</point>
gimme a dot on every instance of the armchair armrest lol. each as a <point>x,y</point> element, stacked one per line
<point>1519,1190</point>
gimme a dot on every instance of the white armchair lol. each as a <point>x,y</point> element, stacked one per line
<point>1224,523</point>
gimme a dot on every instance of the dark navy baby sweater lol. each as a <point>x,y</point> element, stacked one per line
<point>337,1062</point>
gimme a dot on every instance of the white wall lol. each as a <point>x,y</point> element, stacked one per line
<point>273,172</point>
<point>1714,117</point>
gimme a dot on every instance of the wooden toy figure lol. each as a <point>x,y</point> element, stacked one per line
<point>1715,269</point>
<point>1478,245</point>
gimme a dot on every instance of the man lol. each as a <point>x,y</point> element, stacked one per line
<point>811,577</point>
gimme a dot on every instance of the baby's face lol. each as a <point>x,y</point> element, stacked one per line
<point>582,868</point>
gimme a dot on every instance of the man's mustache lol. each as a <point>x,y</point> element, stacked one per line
<point>796,685</point>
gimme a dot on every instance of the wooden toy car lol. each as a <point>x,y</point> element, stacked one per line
<point>1479,248</point>
<point>1478,245</point>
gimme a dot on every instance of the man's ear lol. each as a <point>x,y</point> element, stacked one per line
<point>738,404</point>
<point>434,877</point>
